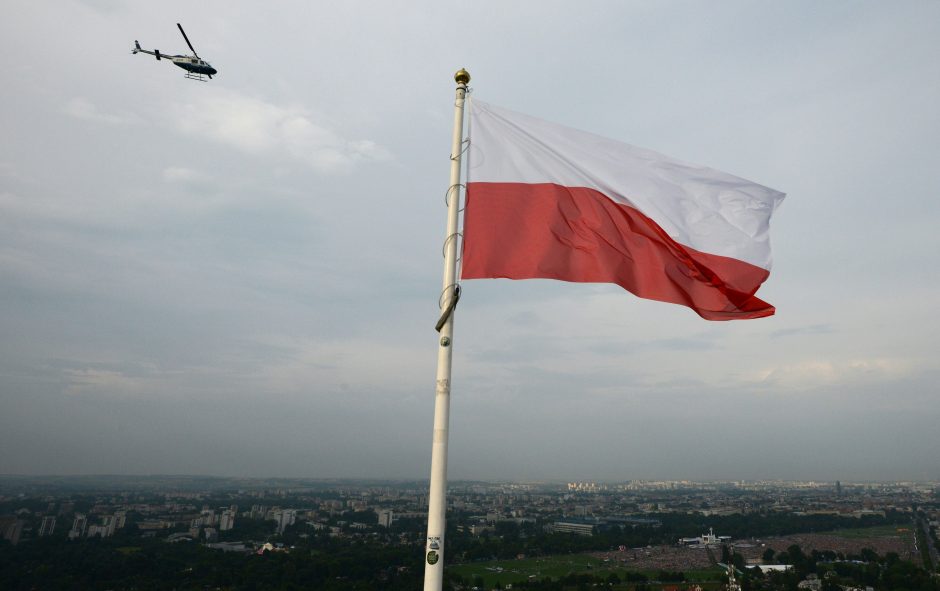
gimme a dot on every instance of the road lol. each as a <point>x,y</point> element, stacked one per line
<point>922,525</point>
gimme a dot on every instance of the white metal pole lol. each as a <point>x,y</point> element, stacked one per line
<point>437,500</point>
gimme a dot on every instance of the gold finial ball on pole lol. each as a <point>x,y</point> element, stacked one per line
<point>462,77</point>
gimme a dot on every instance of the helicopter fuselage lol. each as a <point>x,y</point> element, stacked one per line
<point>193,64</point>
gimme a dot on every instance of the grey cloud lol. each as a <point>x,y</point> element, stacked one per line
<point>241,276</point>
<point>814,329</point>
<point>82,108</point>
<point>257,126</point>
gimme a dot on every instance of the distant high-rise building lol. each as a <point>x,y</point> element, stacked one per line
<point>79,526</point>
<point>104,530</point>
<point>386,516</point>
<point>11,529</point>
<point>227,521</point>
<point>209,517</point>
<point>47,527</point>
<point>109,523</point>
<point>838,488</point>
<point>284,518</point>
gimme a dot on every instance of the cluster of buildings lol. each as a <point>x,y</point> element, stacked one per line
<point>342,509</point>
<point>12,527</point>
<point>585,487</point>
<point>210,523</point>
<point>81,527</point>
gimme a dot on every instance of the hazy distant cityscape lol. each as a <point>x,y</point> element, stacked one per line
<point>647,530</point>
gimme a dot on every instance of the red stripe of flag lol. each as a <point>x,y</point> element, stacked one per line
<point>545,230</point>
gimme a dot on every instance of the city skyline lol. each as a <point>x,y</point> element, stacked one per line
<point>240,277</point>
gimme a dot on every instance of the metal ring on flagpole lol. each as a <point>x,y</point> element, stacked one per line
<point>466,146</point>
<point>459,235</point>
<point>447,196</point>
<point>466,92</point>
<point>440,300</point>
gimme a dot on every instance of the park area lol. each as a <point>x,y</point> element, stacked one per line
<point>504,572</point>
<point>696,564</point>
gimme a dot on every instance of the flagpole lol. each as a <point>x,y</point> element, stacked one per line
<point>437,499</point>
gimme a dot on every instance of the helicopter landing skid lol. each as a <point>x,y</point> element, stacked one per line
<point>194,76</point>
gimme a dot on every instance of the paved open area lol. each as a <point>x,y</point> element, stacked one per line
<point>673,558</point>
<point>901,542</point>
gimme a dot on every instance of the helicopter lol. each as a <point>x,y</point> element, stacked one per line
<point>194,65</point>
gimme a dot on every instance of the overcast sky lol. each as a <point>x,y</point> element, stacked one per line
<point>240,277</point>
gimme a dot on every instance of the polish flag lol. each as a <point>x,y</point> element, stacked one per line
<point>548,201</point>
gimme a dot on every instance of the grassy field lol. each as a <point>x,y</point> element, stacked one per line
<point>881,531</point>
<point>515,571</point>
<point>126,550</point>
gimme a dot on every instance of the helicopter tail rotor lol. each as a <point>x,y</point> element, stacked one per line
<point>156,52</point>
<point>136,47</point>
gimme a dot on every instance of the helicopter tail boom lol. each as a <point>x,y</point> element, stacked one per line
<point>138,49</point>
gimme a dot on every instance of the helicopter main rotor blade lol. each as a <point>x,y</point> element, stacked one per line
<point>187,39</point>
